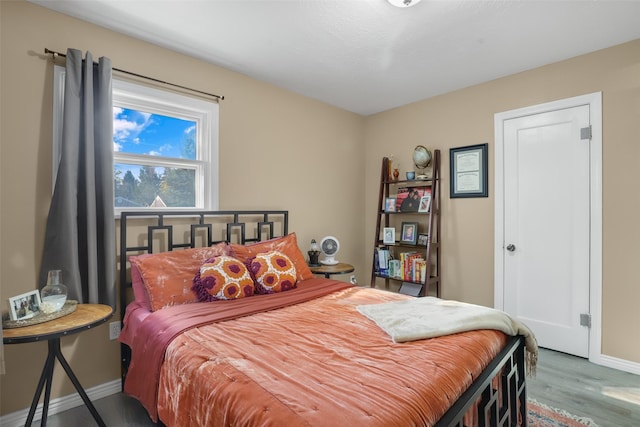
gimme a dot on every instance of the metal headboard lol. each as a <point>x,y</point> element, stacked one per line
<point>164,231</point>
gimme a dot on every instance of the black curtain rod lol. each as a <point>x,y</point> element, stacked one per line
<point>219,97</point>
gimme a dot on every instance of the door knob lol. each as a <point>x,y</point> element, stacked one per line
<point>511,247</point>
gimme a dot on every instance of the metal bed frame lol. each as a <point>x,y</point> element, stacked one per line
<point>504,406</point>
<point>498,394</point>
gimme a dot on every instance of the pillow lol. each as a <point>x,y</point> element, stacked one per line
<point>288,245</point>
<point>168,276</point>
<point>137,284</point>
<point>273,272</point>
<point>222,278</point>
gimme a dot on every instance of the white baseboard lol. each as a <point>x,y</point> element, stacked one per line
<point>61,404</point>
<point>619,364</point>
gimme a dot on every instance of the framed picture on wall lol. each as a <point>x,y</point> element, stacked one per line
<point>468,171</point>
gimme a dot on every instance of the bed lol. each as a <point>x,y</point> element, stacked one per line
<point>294,351</point>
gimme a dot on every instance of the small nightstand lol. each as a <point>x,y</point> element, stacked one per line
<point>86,316</point>
<point>328,270</point>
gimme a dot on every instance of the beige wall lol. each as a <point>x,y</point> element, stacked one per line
<point>274,147</point>
<point>465,117</point>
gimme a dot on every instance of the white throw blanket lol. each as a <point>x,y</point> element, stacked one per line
<point>429,317</point>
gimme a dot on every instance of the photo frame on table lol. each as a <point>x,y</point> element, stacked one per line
<point>409,234</point>
<point>468,171</point>
<point>425,203</point>
<point>423,239</point>
<point>389,236</point>
<point>390,204</point>
<point>25,306</point>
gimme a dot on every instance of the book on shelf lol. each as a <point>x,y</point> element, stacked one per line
<point>410,265</point>
<point>420,271</point>
<point>406,264</point>
<point>376,262</point>
<point>383,256</point>
<point>394,268</point>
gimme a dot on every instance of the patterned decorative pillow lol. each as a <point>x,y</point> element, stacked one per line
<point>222,278</point>
<point>273,272</point>
<point>288,245</point>
<point>168,276</point>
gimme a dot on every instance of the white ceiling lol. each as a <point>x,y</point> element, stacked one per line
<point>367,56</point>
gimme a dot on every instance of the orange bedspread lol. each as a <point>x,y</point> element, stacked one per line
<point>148,334</point>
<point>319,363</point>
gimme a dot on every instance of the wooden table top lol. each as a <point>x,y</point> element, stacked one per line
<point>84,317</point>
<point>339,268</point>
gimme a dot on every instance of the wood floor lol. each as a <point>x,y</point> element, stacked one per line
<point>609,397</point>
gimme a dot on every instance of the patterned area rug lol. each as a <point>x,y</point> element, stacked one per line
<point>541,415</point>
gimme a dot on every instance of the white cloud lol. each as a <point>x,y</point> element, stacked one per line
<point>128,128</point>
<point>164,148</point>
<point>190,130</point>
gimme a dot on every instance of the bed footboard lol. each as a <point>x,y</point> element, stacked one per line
<point>501,406</point>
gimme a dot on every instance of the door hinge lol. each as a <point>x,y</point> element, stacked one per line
<point>585,320</point>
<point>585,133</point>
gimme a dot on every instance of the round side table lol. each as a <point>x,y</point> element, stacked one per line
<point>328,270</point>
<point>86,316</point>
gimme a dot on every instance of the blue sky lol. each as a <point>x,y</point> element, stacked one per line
<point>138,132</point>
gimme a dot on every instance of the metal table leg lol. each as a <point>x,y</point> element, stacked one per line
<point>47,374</point>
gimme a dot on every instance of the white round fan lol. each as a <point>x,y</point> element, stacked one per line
<point>329,247</point>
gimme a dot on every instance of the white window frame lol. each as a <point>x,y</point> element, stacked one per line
<point>132,95</point>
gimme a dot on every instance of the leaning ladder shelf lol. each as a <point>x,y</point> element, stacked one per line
<point>431,220</point>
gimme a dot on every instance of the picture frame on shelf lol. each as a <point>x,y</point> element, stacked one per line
<point>425,203</point>
<point>409,288</point>
<point>409,234</point>
<point>390,204</point>
<point>468,171</point>
<point>423,239</point>
<point>408,198</point>
<point>25,306</point>
<point>389,236</point>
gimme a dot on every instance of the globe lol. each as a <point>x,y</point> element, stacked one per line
<point>422,159</point>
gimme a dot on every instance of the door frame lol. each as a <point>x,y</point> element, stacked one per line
<point>594,100</point>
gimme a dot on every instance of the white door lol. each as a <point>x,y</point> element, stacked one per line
<point>547,225</point>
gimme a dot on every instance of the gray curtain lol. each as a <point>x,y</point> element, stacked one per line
<point>80,235</point>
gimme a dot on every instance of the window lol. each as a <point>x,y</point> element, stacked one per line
<point>165,147</point>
